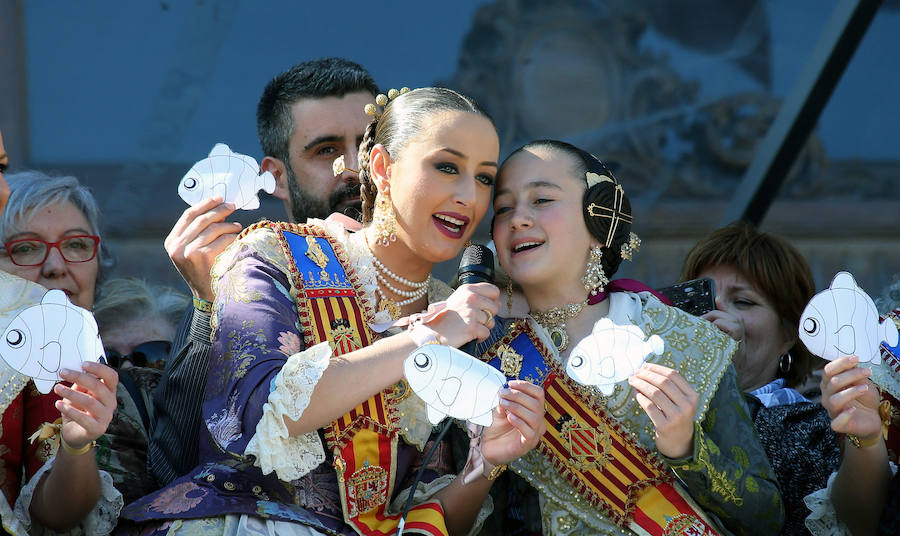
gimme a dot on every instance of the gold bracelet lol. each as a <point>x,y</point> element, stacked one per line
<point>202,305</point>
<point>73,451</point>
<point>495,472</point>
<point>863,443</point>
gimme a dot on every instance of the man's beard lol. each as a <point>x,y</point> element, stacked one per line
<point>305,206</point>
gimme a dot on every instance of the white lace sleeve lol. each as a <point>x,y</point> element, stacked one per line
<point>424,492</point>
<point>275,449</point>
<point>823,521</point>
<point>101,520</point>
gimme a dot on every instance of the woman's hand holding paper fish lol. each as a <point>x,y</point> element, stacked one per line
<point>671,403</point>
<point>469,314</point>
<point>850,398</point>
<point>518,423</point>
<point>87,406</point>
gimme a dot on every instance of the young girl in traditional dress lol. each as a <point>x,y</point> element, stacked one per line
<point>669,451</point>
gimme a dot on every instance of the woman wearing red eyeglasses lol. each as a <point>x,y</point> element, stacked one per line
<point>49,235</point>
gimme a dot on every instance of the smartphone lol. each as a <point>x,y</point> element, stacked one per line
<point>697,296</point>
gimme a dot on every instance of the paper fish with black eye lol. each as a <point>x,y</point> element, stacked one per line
<point>451,382</point>
<point>49,336</point>
<point>612,353</point>
<point>233,176</point>
<point>842,320</point>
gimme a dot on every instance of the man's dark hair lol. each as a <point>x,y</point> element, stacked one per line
<point>316,79</point>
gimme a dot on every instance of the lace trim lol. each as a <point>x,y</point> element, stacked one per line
<point>275,449</point>
<point>101,520</point>
<point>425,492</point>
<point>823,519</point>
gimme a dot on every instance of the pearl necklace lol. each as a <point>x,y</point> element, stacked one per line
<point>398,278</point>
<point>420,288</point>
<point>554,321</point>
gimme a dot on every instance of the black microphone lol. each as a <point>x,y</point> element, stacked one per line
<point>476,265</point>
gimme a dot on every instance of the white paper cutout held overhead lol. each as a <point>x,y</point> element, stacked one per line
<point>451,382</point>
<point>842,320</point>
<point>49,336</point>
<point>233,176</point>
<point>610,354</point>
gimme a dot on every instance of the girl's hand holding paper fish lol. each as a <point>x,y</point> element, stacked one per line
<point>468,315</point>
<point>87,406</point>
<point>850,398</point>
<point>518,423</point>
<point>671,404</point>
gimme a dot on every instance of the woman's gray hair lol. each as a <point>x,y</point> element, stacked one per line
<point>31,191</point>
<point>890,297</point>
<point>127,299</point>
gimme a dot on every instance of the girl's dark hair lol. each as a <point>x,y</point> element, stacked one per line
<point>402,120</point>
<point>599,201</point>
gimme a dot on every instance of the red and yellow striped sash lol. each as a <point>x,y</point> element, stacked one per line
<point>364,441</point>
<point>603,462</point>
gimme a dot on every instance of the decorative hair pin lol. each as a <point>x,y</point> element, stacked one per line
<point>633,245</point>
<point>593,178</point>
<point>615,213</point>
<point>338,167</point>
<point>382,100</point>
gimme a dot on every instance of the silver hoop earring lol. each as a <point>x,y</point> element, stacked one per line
<point>785,362</point>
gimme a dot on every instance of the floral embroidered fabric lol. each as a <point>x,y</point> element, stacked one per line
<point>259,372</point>
<point>728,474</point>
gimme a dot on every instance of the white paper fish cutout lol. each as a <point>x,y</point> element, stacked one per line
<point>842,320</point>
<point>451,382</point>
<point>612,353</point>
<point>53,335</point>
<point>233,176</point>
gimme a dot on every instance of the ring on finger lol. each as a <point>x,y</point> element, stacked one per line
<point>488,316</point>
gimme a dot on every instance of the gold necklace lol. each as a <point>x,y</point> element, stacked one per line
<point>554,321</point>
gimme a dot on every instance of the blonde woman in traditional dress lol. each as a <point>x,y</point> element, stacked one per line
<point>309,428</point>
<point>669,451</point>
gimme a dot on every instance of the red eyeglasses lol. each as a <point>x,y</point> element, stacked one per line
<point>34,251</point>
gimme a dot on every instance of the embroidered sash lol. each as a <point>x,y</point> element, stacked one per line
<point>364,441</point>
<point>601,460</point>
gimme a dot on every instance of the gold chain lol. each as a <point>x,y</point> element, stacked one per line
<point>557,316</point>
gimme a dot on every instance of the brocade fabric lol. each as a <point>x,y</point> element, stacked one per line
<point>256,333</point>
<point>727,474</point>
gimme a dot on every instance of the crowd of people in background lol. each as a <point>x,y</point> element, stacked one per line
<point>270,397</point>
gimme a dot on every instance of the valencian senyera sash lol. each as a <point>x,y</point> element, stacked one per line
<point>601,460</point>
<point>364,441</point>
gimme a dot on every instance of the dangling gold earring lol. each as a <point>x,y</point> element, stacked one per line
<point>594,279</point>
<point>509,294</point>
<point>383,220</point>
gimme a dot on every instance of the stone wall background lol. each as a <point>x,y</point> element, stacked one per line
<point>673,95</point>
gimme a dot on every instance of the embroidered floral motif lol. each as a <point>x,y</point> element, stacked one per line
<point>289,343</point>
<point>178,498</point>
<point>719,481</point>
<point>241,345</point>
<point>225,424</point>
